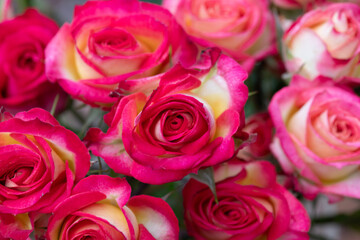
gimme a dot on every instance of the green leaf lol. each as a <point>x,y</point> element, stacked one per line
<point>206,176</point>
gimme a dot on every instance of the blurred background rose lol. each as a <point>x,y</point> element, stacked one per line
<point>325,42</point>
<point>243,29</point>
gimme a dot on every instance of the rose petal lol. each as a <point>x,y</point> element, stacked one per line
<point>156,216</point>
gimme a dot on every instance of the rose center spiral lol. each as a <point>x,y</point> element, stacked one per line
<point>16,177</point>
<point>176,122</point>
<point>343,130</point>
<point>216,9</point>
<point>28,60</point>
<point>112,42</point>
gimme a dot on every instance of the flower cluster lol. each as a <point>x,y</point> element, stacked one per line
<point>210,119</point>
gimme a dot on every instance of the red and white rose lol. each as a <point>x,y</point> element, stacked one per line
<point>100,207</point>
<point>317,137</point>
<point>325,42</point>
<point>247,207</point>
<point>187,123</point>
<point>40,161</point>
<point>112,44</point>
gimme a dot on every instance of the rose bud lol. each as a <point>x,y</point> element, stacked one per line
<point>100,207</point>
<point>317,137</point>
<point>187,123</point>
<point>243,29</point>
<point>117,42</point>
<point>249,205</point>
<point>40,162</point>
<point>23,84</point>
<point>325,42</point>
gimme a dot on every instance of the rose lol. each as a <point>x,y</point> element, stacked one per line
<point>23,83</point>
<point>325,42</point>
<point>250,205</point>
<point>100,207</point>
<point>247,207</point>
<point>109,42</point>
<point>261,125</point>
<point>317,137</point>
<point>39,160</point>
<point>187,123</point>
<point>243,29</point>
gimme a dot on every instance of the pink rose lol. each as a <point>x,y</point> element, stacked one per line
<point>187,123</point>
<point>116,43</point>
<point>317,137</point>
<point>40,162</point>
<point>100,207</point>
<point>325,42</point>
<point>251,205</point>
<point>243,29</point>
<point>23,83</point>
<point>261,125</point>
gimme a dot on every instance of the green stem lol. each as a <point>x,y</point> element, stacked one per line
<point>55,103</point>
<point>100,165</point>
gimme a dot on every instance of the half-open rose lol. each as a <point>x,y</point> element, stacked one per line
<point>187,123</point>
<point>109,42</point>
<point>100,207</point>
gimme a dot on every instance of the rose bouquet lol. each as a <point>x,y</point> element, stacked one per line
<point>179,119</point>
